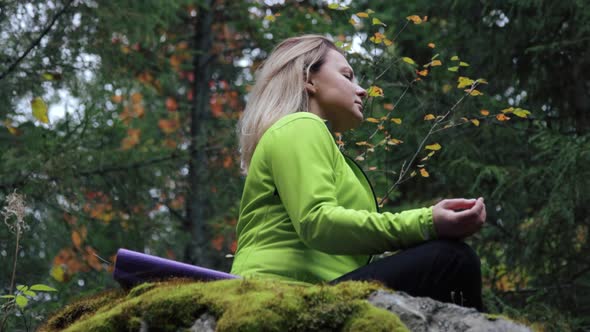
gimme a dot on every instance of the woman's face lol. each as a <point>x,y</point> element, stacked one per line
<point>334,94</point>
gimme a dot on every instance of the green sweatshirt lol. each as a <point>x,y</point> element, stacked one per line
<point>308,213</point>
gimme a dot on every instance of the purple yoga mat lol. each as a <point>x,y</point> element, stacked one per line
<point>133,267</point>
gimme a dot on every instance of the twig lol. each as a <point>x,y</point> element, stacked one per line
<point>36,42</point>
<point>406,165</point>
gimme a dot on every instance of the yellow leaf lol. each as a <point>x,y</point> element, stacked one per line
<point>394,141</point>
<point>453,68</point>
<point>352,21</point>
<point>375,91</point>
<point>408,60</point>
<point>396,120</point>
<point>270,18</point>
<point>435,63</point>
<point>58,273</point>
<point>508,110</point>
<point>372,120</point>
<point>474,92</point>
<point>475,122</point>
<point>424,173</point>
<point>423,72</point>
<point>431,45</point>
<point>464,82</point>
<point>39,109</point>
<point>387,42</point>
<point>521,113</point>
<point>11,129</point>
<point>377,38</point>
<point>484,112</point>
<point>415,19</point>
<point>502,117</point>
<point>481,81</point>
<point>433,147</point>
<point>362,14</point>
<point>429,117</point>
<point>454,58</point>
<point>370,11</point>
<point>333,6</point>
<point>377,21</point>
<point>463,64</point>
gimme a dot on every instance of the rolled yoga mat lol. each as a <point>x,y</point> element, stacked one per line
<point>132,268</point>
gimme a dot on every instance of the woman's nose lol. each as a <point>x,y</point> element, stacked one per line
<point>361,92</point>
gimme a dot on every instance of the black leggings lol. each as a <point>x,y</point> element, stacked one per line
<point>445,270</point>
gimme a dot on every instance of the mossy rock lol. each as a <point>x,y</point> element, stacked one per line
<point>237,305</point>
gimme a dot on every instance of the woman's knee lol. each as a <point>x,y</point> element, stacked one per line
<point>458,249</point>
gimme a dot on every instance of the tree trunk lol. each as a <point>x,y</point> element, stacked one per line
<point>197,249</point>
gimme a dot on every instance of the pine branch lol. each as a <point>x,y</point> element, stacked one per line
<point>36,42</point>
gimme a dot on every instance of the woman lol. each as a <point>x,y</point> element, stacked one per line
<point>309,214</point>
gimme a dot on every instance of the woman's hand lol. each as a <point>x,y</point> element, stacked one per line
<point>458,218</point>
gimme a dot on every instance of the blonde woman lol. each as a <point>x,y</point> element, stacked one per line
<point>308,213</point>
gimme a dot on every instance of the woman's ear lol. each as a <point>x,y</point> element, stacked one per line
<point>310,87</point>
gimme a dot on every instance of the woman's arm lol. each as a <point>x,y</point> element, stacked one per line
<point>302,157</point>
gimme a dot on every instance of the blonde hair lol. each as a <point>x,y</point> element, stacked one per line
<point>280,88</point>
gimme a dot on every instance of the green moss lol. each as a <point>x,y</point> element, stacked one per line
<point>366,317</point>
<point>78,310</point>
<point>244,305</point>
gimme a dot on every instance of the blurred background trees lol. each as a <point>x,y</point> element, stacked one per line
<point>138,149</point>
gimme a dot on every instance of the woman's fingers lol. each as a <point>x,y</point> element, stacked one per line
<point>458,203</point>
<point>473,214</point>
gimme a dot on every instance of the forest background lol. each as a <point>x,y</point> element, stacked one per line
<point>117,128</point>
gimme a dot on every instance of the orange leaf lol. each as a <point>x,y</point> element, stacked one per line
<point>423,72</point>
<point>388,107</point>
<point>136,98</point>
<point>171,104</point>
<point>429,117</point>
<point>168,126</point>
<point>415,19</point>
<point>117,99</point>
<point>502,117</point>
<point>375,91</point>
<point>484,112</point>
<point>76,239</point>
<point>131,140</point>
<point>424,173</point>
<point>431,45</point>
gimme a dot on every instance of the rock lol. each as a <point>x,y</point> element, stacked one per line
<point>422,314</point>
<point>268,305</point>
<point>205,323</point>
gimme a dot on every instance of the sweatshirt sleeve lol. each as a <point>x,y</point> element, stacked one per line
<point>302,157</point>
